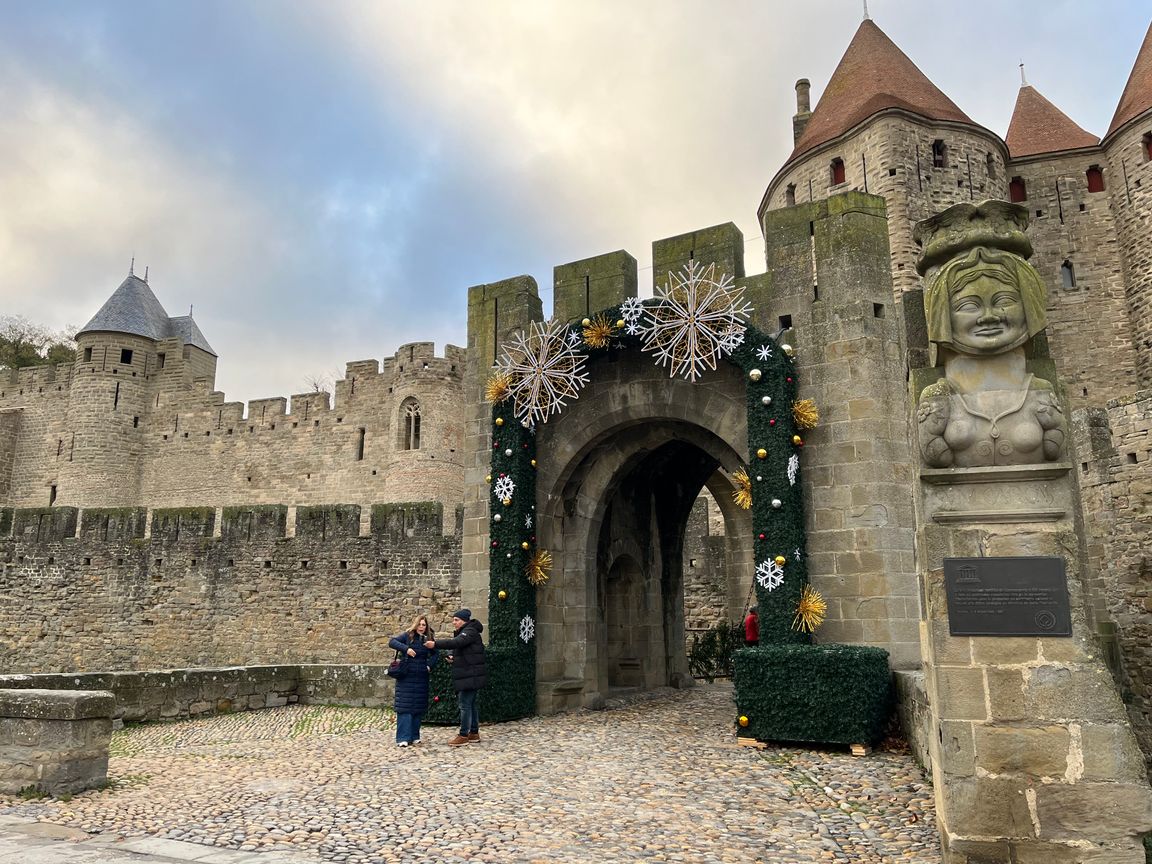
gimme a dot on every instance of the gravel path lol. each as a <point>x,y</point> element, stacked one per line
<point>658,778</point>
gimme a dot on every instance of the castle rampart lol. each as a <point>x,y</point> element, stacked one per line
<point>127,429</point>
<point>88,591</point>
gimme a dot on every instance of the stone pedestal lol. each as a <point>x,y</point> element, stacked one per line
<point>1032,754</point>
<point>54,741</point>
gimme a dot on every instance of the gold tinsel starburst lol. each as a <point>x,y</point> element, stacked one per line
<point>805,413</point>
<point>743,494</point>
<point>497,388</point>
<point>598,332</point>
<point>810,610</point>
<point>539,567</point>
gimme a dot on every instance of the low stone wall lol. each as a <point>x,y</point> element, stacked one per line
<point>54,742</point>
<point>177,693</point>
<point>915,714</point>
<point>367,686</point>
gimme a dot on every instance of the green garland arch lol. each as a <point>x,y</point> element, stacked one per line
<point>777,522</point>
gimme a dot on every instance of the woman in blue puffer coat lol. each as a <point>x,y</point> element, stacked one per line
<point>411,699</point>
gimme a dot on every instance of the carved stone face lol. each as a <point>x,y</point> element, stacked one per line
<point>987,316</point>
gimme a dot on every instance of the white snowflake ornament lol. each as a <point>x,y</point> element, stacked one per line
<point>527,628</point>
<point>503,488</point>
<point>631,310</point>
<point>544,370</point>
<point>793,468</point>
<point>695,321</point>
<point>769,575</point>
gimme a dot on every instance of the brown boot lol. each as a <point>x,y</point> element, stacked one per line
<point>474,737</point>
<point>458,740</point>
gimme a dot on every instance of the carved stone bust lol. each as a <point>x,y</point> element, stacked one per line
<point>983,302</point>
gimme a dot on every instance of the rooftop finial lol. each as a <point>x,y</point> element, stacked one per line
<point>132,267</point>
<point>1023,80</point>
<point>867,17</point>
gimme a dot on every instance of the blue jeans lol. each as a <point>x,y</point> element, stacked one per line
<point>469,712</point>
<point>408,727</point>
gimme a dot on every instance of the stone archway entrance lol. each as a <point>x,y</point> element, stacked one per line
<point>625,466</point>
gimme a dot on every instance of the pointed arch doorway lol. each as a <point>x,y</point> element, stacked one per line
<point>623,467</point>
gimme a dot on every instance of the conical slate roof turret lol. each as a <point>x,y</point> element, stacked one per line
<point>1137,96</point>
<point>1038,126</point>
<point>873,75</point>
<point>134,309</point>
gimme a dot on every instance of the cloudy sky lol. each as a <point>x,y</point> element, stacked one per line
<point>323,179</point>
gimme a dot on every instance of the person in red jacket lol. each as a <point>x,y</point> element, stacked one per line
<point>752,629</point>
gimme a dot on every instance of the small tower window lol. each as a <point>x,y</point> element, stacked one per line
<point>410,425</point>
<point>125,356</point>
<point>790,195</point>
<point>1017,191</point>
<point>1067,274</point>
<point>837,169</point>
<point>939,154</point>
<point>87,355</point>
<point>1095,178</point>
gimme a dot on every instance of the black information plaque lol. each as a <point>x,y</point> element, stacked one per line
<point>1007,597</point>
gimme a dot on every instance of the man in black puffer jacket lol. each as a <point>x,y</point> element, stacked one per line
<point>469,672</point>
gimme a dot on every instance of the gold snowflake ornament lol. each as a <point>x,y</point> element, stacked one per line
<point>544,371</point>
<point>810,610</point>
<point>539,567</point>
<point>805,414</point>
<point>695,321</point>
<point>743,494</point>
<point>598,332</point>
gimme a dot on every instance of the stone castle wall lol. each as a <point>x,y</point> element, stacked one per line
<point>1115,449</point>
<point>146,434</point>
<point>1089,333</point>
<point>1129,174</point>
<point>90,592</point>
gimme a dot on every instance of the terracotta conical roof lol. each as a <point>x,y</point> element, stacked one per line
<point>1038,126</point>
<point>873,75</point>
<point>1137,96</point>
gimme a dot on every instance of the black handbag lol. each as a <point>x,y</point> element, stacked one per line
<point>398,668</point>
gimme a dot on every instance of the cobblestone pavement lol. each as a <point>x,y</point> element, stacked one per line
<point>658,778</point>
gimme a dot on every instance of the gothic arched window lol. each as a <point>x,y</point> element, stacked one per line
<point>410,424</point>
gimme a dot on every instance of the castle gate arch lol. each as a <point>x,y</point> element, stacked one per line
<point>619,472</point>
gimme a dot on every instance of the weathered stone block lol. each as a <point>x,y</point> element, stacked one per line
<point>961,693</point>
<point>1077,693</point>
<point>985,807</point>
<point>1035,751</point>
<point>1093,811</point>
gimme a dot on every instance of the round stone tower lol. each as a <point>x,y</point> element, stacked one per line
<point>881,126</point>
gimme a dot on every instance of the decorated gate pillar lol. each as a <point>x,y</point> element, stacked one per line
<point>1033,758</point>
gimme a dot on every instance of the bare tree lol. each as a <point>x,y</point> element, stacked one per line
<point>322,382</point>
